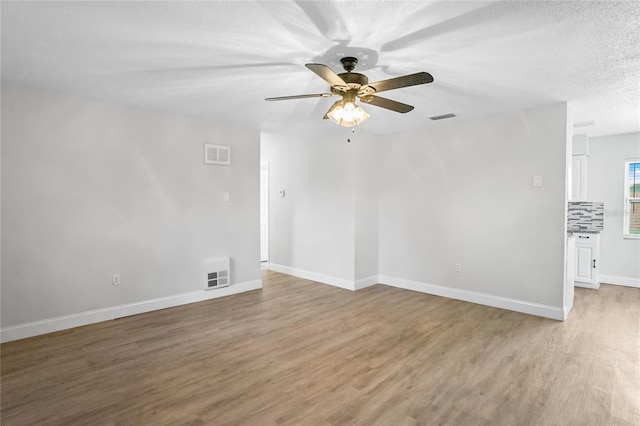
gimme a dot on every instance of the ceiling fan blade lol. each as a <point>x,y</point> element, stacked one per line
<point>326,74</point>
<point>386,103</point>
<point>315,95</point>
<point>403,81</point>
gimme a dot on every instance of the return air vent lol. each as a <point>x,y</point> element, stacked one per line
<point>217,154</point>
<point>217,273</point>
<point>584,124</point>
<point>442,117</point>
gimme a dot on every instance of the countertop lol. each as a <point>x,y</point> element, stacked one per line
<point>584,231</point>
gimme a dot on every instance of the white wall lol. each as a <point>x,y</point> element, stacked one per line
<point>461,192</point>
<point>619,257</point>
<point>312,227</point>
<point>325,228</point>
<point>406,207</point>
<point>90,189</point>
<point>366,164</point>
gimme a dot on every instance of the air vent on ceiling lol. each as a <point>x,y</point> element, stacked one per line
<point>217,273</point>
<point>584,123</point>
<point>442,117</point>
<point>217,154</point>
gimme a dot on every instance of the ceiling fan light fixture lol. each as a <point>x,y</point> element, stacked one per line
<point>347,113</point>
<point>352,85</point>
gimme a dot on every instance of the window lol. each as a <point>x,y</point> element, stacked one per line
<point>632,199</point>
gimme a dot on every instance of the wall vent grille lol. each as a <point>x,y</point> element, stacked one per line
<point>217,273</point>
<point>584,124</point>
<point>442,117</point>
<point>217,154</point>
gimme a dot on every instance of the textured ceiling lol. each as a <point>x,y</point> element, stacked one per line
<point>221,59</point>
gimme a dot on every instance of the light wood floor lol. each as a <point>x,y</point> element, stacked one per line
<point>302,353</point>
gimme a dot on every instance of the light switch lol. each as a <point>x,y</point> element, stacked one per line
<point>537,181</point>
<point>282,192</point>
<point>225,196</point>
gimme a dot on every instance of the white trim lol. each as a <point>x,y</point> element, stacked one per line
<point>325,279</point>
<point>628,200</point>
<point>566,310</point>
<point>593,286</point>
<point>625,281</point>
<point>265,200</point>
<point>631,237</point>
<point>314,276</point>
<point>547,311</point>
<point>22,331</point>
<point>365,282</point>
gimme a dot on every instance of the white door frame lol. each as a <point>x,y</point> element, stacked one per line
<point>264,212</point>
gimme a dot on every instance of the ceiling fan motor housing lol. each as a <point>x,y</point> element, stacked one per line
<point>356,82</point>
<point>349,63</point>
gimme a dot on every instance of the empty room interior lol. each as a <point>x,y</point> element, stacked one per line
<point>320,213</point>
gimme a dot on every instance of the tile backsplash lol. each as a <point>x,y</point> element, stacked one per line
<point>585,216</point>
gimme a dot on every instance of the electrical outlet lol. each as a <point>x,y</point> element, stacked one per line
<point>458,267</point>
<point>115,280</point>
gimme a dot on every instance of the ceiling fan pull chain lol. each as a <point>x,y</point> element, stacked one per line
<point>353,130</point>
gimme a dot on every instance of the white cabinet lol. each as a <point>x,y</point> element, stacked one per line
<point>586,260</point>
<point>586,263</point>
<point>579,178</point>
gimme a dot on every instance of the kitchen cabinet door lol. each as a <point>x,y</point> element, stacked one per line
<point>586,260</point>
<point>584,264</point>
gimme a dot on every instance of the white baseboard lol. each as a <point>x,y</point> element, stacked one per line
<point>593,286</point>
<point>313,276</point>
<point>365,282</point>
<point>625,281</point>
<point>36,328</point>
<point>325,279</point>
<point>547,311</point>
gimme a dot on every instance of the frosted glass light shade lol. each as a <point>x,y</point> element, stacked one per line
<point>347,114</point>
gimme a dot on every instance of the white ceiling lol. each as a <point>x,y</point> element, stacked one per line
<point>221,59</point>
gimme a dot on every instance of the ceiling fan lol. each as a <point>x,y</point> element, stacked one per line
<point>351,85</point>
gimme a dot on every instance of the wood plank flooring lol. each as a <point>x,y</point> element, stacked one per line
<point>303,353</point>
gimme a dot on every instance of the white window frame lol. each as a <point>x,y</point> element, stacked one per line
<point>628,200</point>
